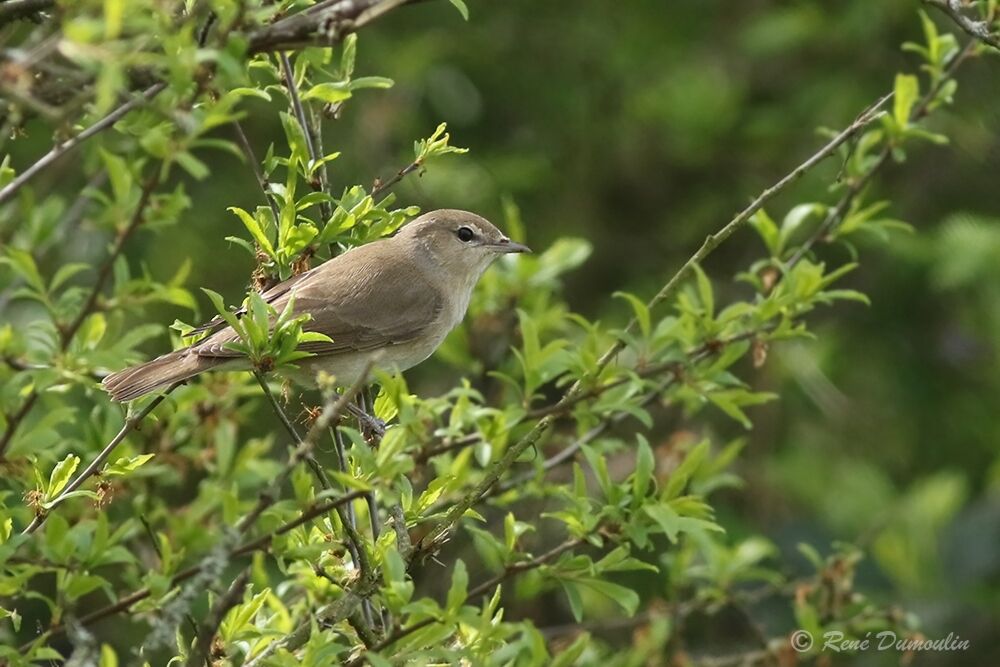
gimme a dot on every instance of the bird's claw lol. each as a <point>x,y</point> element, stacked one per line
<point>372,428</point>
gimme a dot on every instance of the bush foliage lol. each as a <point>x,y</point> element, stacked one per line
<point>237,520</point>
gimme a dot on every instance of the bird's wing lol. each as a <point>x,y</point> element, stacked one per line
<point>270,296</point>
<point>363,304</point>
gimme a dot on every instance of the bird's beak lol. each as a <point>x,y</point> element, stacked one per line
<point>507,246</point>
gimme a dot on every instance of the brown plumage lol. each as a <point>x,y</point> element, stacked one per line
<point>396,298</point>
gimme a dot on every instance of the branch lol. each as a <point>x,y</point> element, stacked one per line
<point>71,144</point>
<point>255,166</point>
<point>496,470</point>
<point>313,135</point>
<point>836,215</point>
<point>332,410</point>
<point>321,27</point>
<point>979,30</point>
<point>485,587</point>
<point>130,424</point>
<point>259,544</point>
<point>383,186</point>
<point>201,655</point>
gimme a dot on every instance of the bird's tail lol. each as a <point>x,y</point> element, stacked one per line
<point>136,381</point>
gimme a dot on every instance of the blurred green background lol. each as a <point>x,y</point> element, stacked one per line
<point>642,127</point>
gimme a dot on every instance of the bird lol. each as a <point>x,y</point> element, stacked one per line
<point>389,303</point>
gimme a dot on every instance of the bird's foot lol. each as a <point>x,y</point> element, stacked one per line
<point>372,428</point>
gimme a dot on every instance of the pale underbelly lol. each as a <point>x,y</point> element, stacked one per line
<point>348,367</point>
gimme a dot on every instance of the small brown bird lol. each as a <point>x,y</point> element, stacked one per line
<point>393,300</point>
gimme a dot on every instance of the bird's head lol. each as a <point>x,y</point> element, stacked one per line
<point>459,241</point>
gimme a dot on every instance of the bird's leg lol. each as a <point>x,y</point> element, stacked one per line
<point>372,428</point>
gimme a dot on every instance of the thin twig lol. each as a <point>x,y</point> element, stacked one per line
<point>130,424</point>
<point>485,587</point>
<point>383,186</point>
<point>282,416</point>
<point>836,214</point>
<point>979,29</point>
<point>201,655</point>
<point>70,144</point>
<point>311,133</point>
<point>332,410</point>
<point>251,159</point>
<point>258,544</point>
<point>496,470</point>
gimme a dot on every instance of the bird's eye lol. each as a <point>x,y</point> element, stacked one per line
<point>465,234</point>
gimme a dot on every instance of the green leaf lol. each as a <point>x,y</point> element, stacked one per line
<point>683,473</point>
<point>250,222</point>
<point>794,220</point>
<point>118,175</point>
<point>704,291</point>
<point>640,309</point>
<point>126,465</point>
<point>66,272</point>
<point>905,94</point>
<point>462,9</point>
<point>767,229</point>
<point>626,598</point>
<point>24,265</point>
<point>330,92</point>
<point>114,10</point>
<point>61,475</point>
<point>574,599</point>
<point>220,307</point>
<point>15,619</point>
<point>459,587</point>
<point>371,82</point>
<point>192,165</point>
<point>644,465</point>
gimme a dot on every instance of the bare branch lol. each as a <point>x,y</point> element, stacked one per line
<point>978,29</point>
<point>71,144</point>
<point>320,27</point>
